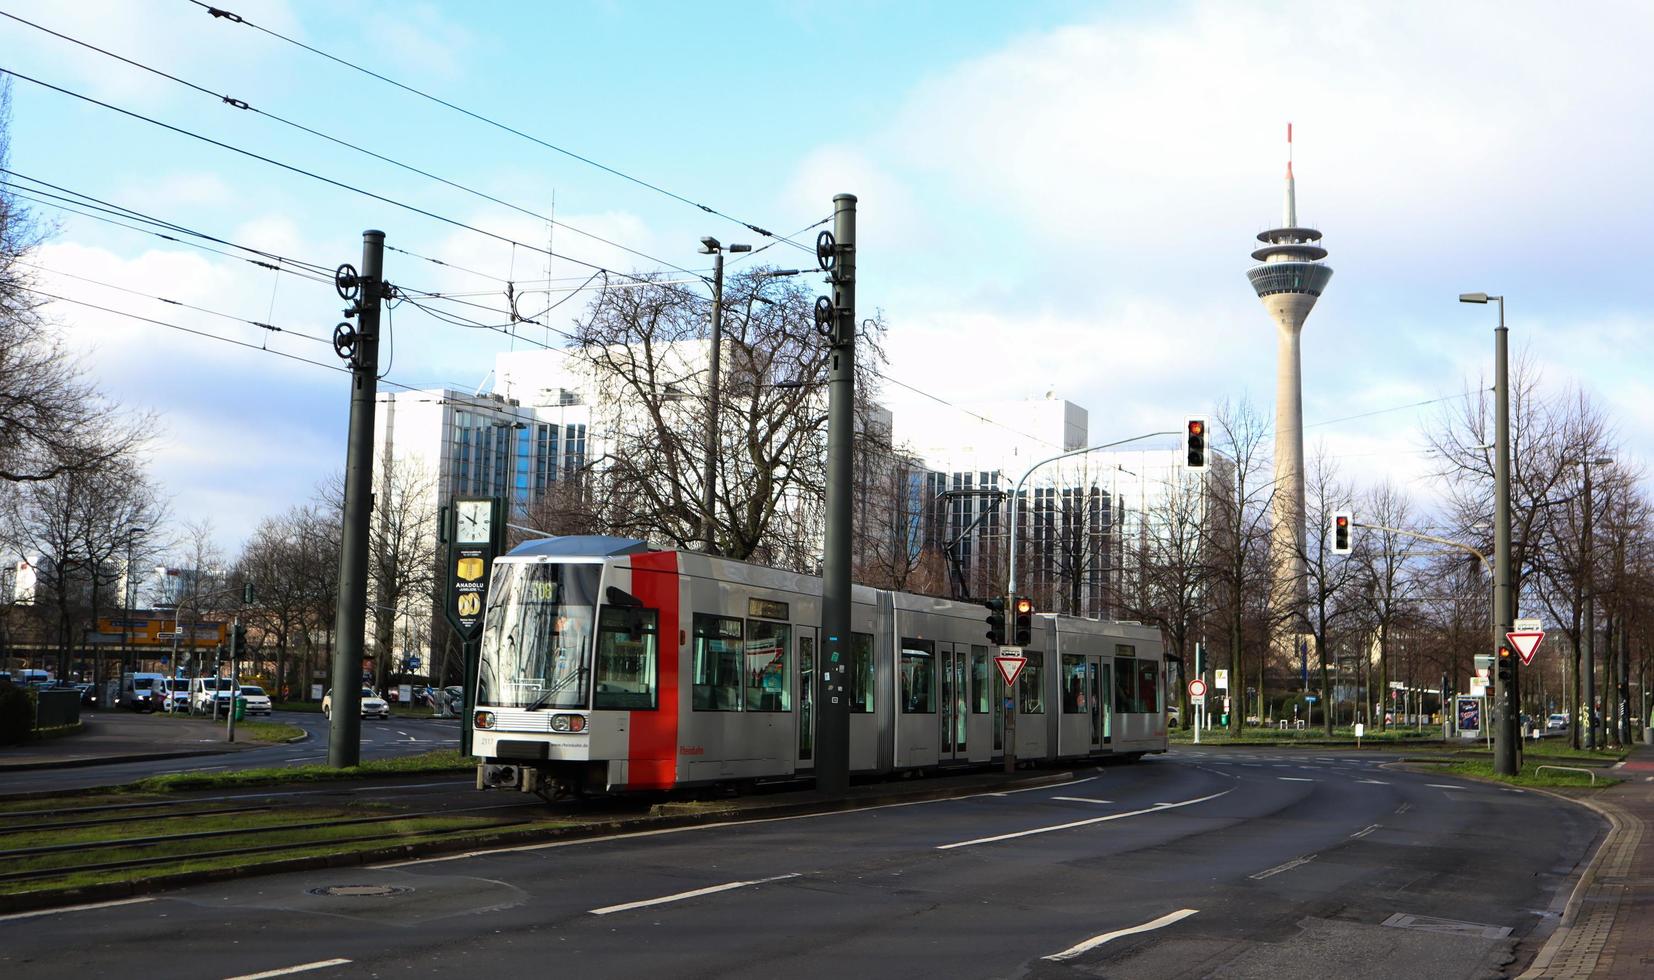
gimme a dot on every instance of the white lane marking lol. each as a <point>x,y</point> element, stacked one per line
<point>1404,808</point>
<point>578,842</point>
<point>1253,765</point>
<point>1280,767</point>
<point>1080,799</point>
<point>1364,832</point>
<point>680,896</point>
<point>1445,786</point>
<point>1157,808</point>
<point>74,908</point>
<point>1277,869</point>
<point>1095,941</point>
<point>1026,789</point>
<point>301,968</point>
<point>1373,782</point>
<point>1296,779</point>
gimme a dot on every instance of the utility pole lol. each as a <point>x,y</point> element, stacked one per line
<point>836,318</point>
<point>1507,711</point>
<point>359,346</point>
<point>1588,634</point>
<point>235,675</point>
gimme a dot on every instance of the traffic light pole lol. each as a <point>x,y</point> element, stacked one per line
<point>1506,710</point>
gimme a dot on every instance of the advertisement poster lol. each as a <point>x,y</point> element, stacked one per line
<point>1470,715</point>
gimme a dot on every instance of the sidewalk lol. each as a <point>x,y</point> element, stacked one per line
<point>1608,927</point>
<point>117,736</point>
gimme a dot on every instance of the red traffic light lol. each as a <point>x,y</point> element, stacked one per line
<point>1343,521</point>
<point>1504,653</point>
<point>1196,427</point>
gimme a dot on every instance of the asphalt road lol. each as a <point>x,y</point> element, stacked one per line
<point>380,739</point>
<point>1201,863</point>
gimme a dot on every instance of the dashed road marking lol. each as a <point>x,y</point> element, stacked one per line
<point>1096,941</point>
<point>1158,808</point>
<point>696,893</point>
<point>74,908</point>
<point>1373,782</point>
<point>1080,799</point>
<point>284,971</point>
<point>1364,831</point>
<point>1297,862</point>
<point>1296,779</point>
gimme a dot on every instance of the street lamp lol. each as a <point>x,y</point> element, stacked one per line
<point>127,598</point>
<point>1506,711</point>
<point>1589,632</point>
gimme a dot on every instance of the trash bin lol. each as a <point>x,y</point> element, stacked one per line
<point>240,709</point>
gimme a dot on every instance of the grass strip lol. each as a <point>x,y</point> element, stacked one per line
<point>245,730</point>
<point>440,760</point>
<point>1528,775</point>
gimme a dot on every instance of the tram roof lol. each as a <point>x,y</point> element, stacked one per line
<point>579,546</point>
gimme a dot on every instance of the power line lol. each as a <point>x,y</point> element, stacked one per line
<point>321,272</point>
<point>243,105</point>
<point>1396,408</point>
<point>173,302</point>
<point>238,19</point>
<point>313,175</point>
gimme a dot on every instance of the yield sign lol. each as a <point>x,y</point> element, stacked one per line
<point>1526,643</point>
<point>1010,667</point>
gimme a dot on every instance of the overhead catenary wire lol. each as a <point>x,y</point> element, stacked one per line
<point>243,105</point>
<point>342,185</point>
<point>235,18</point>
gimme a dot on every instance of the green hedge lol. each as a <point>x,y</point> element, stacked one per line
<point>16,714</point>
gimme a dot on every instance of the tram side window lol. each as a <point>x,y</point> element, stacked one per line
<point>861,673</point>
<point>1148,686</point>
<point>918,676</point>
<point>1073,686</point>
<point>1125,685</point>
<point>1031,685</point>
<point>626,656</point>
<point>717,667</point>
<point>981,689</point>
<point>768,666</point>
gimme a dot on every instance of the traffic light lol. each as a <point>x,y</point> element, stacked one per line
<point>996,621</point>
<point>1506,665</point>
<point>1341,525</point>
<point>1023,607</point>
<point>238,641</point>
<point>1194,441</point>
<point>247,594</point>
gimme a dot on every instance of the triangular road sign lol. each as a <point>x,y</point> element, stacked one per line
<point>1010,667</point>
<point>1526,643</point>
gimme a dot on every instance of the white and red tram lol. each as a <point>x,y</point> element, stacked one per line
<point>608,667</point>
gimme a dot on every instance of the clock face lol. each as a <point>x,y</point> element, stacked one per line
<point>476,519</point>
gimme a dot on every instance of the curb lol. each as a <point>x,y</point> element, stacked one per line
<point>1559,937</point>
<point>33,901</point>
<point>113,760</point>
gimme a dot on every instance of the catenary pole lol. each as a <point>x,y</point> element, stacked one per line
<point>832,694</point>
<point>344,743</point>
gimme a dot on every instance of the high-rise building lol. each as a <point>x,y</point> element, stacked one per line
<point>1289,281</point>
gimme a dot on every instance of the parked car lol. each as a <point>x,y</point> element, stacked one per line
<point>88,694</point>
<point>258,703</point>
<point>373,706</point>
<point>451,702</point>
<point>139,691</point>
<point>1557,723</point>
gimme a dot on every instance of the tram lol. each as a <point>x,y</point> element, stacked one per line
<point>610,667</point>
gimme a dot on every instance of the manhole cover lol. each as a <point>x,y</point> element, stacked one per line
<point>1429,923</point>
<point>359,891</point>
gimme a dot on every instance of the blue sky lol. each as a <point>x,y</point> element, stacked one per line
<point>1074,183</point>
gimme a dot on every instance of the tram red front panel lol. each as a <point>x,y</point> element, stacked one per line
<point>653,735</point>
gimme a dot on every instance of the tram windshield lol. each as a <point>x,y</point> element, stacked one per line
<point>537,636</point>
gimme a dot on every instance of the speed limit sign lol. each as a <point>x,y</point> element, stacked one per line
<point>1197,689</point>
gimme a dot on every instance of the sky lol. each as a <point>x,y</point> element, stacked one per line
<point>1056,197</point>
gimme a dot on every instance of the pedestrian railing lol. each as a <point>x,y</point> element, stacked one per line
<point>1582,769</point>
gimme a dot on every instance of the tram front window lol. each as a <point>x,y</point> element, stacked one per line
<point>537,636</point>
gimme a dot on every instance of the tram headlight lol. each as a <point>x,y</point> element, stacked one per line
<point>568,724</point>
<point>485,720</point>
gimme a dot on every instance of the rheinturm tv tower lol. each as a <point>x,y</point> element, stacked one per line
<point>1289,282</point>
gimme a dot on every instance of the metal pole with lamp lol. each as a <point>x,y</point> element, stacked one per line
<point>709,526</point>
<point>1506,711</point>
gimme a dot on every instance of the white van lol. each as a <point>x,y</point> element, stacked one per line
<point>174,693</point>
<point>140,692</point>
<point>203,690</point>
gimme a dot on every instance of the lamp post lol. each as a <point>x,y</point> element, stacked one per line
<point>127,595</point>
<point>1588,586</point>
<point>1506,712</point>
<point>709,527</point>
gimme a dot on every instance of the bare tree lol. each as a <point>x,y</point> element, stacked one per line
<point>402,558</point>
<point>1237,534</point>
<point>1391,583</point>
<point>647,346</point>
<point>1329,578</point>
<point>1174,573</point>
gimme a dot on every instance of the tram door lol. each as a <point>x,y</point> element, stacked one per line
<point>953,664</point>
<point>806,698</point>
<point>1100,695</point>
